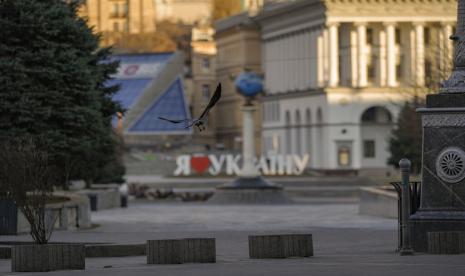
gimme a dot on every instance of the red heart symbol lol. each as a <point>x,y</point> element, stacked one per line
<point>200,164</point>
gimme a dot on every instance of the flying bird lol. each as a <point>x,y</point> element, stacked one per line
<point>201,121</point>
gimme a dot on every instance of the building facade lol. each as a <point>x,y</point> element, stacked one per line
<point>185,11</point>
<point>337,72</point>
<point>112,18</point>
<point>204,81</point>
<point>238,49</point>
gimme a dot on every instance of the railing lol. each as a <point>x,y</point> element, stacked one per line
<point>415,193</point>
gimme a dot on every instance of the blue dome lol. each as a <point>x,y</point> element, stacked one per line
<point>249,84</point>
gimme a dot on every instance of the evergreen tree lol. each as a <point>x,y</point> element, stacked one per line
<point>53,75</point>
<point>406,138</point>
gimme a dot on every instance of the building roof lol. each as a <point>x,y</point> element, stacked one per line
<point>170,104</point>
<point>140,85</point>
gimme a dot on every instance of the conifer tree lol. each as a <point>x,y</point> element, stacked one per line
<point>52,80</point>
<point>406,138</point>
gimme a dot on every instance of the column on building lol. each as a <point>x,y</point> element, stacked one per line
<point>320,57</point>
<point>382,57</point>
<point>281,59</point>
<point>272,63</point>
<point>325,56</point>
<point>306,38</point>
<point>361,54</point>
<point>353,57</point>
<point>420,53</point>
<point>390,54</point>
<point>333,55</point>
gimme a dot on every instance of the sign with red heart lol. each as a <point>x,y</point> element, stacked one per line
<point>200,163</point>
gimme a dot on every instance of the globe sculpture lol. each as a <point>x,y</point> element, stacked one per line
<point>249,84</point>
<point>250,186</point>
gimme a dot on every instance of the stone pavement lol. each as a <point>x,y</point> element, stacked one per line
<point>345,243</point>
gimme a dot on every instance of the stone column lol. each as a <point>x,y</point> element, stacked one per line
<point>382,58</point>
<point>353,58</point>
<point>420,53</point>
<point>320,58</point>
<point>362,54</point>
<point>333,55</point>
<point>391,53</point>
<point>325,56</point>
<point>248,150</point>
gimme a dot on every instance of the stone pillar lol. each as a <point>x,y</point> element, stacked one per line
<point>382,58</point>
<point>248,150</point>
<point>391,53</point>
<point>320,58</point>
<point>326,56</point>
<point>362,55</point>
<point>420,53</point>
<point>353,57</point>
<point>333,55</point>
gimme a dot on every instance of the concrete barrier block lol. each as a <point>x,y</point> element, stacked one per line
<point>280,246</point>
<point>199,250</point>
<point>164,252</point>
<point>47,257</point>
<point>192,250</point>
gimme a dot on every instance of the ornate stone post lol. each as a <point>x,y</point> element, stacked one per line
<point>442,203</point>
<point>406,248</point>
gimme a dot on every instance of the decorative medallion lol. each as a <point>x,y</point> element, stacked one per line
<point>450,165</point>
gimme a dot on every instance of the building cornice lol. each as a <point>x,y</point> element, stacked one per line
<point>336,90</point>
<point>242,20</point>
<point>293,94</point>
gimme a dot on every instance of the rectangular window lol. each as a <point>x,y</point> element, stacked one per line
<point>116,26</point>
<point>399,70</point>
<point>398,36</point>
<point>369,36</point>
<point>369,148</point>
<point>426,36</point>
<point>428,73</point>
<point>206,92</point>
<point>115,9</point>
<point>371,70</point>
<point>206,63</point>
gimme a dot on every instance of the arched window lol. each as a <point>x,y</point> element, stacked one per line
<point>308,131</point>
<point>288,133</point>
<point>376,115</point>
<point>298,135</point>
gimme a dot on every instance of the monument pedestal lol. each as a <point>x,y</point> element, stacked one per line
<point>249,190</point>
<point>442,205</point>
<point>249,187</point>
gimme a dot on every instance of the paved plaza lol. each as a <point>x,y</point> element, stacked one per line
<point>345,243</point>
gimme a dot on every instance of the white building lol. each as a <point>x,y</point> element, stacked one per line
<point>338,71</point>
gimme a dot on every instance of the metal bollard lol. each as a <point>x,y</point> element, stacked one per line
<point>406,248</point>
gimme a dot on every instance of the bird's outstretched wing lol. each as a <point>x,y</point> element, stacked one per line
<point>174,121</point>
<point>214,99</point>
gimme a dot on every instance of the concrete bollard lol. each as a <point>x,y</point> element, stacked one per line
<point>406,248</point>
<point>280,246</point>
